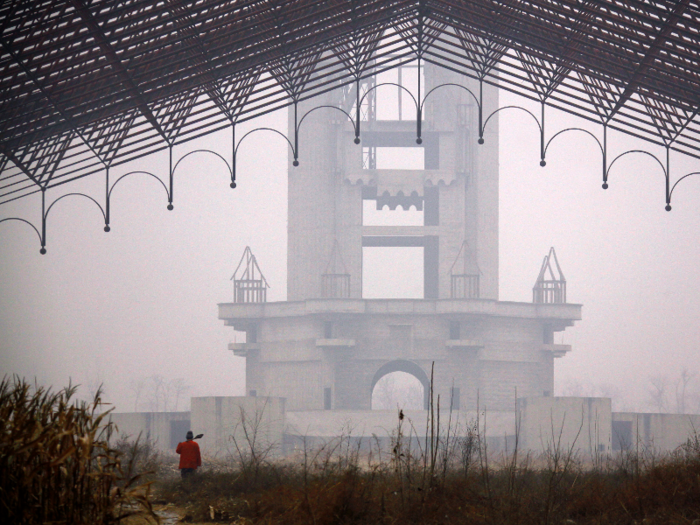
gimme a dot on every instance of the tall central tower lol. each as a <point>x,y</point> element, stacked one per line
<point>335,337</point>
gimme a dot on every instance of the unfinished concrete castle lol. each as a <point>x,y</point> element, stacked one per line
<point>327,346</point>
<point>313,361</point>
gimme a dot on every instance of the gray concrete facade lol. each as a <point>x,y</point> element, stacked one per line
<point>306,347</point>
<point>326,347</point>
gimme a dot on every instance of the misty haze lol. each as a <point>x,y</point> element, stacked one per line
<point>376,266</point>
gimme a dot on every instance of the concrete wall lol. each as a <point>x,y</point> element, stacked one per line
<point>652,432</point>
<point>495,355</point>
<point>367,429</point>
<point>545,423</point>
<point>225,420</point>
<point>325,189</point>
<point>549,424</point>
<point>164,429</point>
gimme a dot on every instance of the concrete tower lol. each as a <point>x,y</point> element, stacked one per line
<point>328,345</point>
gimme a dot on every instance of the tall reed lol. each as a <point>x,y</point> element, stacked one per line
<point>56,464</point>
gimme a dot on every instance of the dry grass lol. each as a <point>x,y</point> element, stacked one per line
<point>446,482</point>
<point>56,465</point>
<point>449,477</point>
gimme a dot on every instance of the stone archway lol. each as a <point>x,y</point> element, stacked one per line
<point>409,367</point>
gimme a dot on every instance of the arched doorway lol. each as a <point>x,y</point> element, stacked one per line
<point>405,368</point>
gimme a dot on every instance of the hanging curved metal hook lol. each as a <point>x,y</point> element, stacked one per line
<point>46,214</point>
<point>109,194</point>
<point>291,146</point>
<point>476,100</point>
<point>573,129</point>
<point>228,167</point>
<point>670,194</point>
<point>607,174</point>
<point>663,169</point>
<point>600,146</point>
<point>415,102</point>
<point>450,84</point>
<point>543,163</point>
<point>539,126</point>
<point>24,221</point>
<point>321,107</point>
<point>418,107</point>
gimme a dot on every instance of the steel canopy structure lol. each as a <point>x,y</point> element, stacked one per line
<point>91,84</point>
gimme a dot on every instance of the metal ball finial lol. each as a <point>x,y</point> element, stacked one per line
<point>42,251</point>
<point>295,163</point>
<point>605,185</point>
<point>107,228</point>
<point>419,140</point>
<point>170,206</point>
<point>233,185</point>
<point>357,140</point>
<point>543,163</point>
<point>668,207</point>
<point>481,140</point>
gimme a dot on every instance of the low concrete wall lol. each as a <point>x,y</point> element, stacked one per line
<point>369,428</point>
<point>653,432</point>
<point>565,423</point>
<point>586,424</point>
<point>164,429</point>
<point>224,421</point>
<point>384,423</point>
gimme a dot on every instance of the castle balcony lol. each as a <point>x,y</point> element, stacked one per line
<point>464,344</point>
<point>243,349</point>
<point>558,316</point>
<point>557,350</point>
<point>335,344</point>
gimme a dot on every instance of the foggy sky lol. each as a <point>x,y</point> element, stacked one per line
<point>142,300</point>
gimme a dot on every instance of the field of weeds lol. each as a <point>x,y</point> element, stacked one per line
<point>57,466</point>
<point>444,479</point>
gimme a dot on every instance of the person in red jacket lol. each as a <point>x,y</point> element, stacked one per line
<point>190,458</point>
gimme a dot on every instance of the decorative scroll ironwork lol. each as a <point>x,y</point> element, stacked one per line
<point>550,286</point>
<point>87,86</point>
<point>185,70</point>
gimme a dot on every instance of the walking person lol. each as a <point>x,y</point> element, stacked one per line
<point>190,457</point>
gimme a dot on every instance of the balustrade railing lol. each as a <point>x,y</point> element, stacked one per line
<point>335,285</point>
<point>464,286</point>
<point>249,291</point>
<point>549,292</point>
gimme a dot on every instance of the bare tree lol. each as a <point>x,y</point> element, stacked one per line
<point>681,385</point>
<point>178,388</point>
<point>137,387</point>
<point>158,393</point>
<point>658,393</point>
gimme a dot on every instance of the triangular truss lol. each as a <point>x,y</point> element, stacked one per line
<point>172,113</point>
<point>231,94</point>
<point>158,73</point>
<point>105,137</point>
<point>293,73</point>
<point>40,159</point>
<point>669,119</point>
